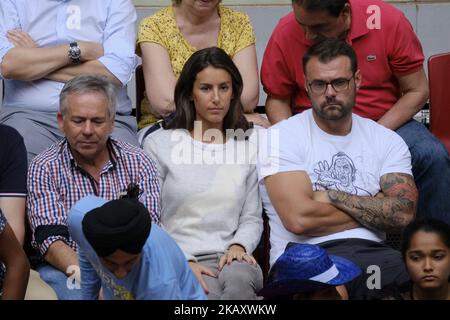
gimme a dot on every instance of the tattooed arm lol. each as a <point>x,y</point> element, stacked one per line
<point>390,213</point>
<point>292,197</point>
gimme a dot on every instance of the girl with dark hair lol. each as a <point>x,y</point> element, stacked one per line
<point>206,161</point>
<point>426,251</point>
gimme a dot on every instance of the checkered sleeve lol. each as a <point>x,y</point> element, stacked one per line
<point>46,211</point>
<point>149,183</point>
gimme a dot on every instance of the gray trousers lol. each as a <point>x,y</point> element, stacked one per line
<point>237,281</point>
<point>40,129</point>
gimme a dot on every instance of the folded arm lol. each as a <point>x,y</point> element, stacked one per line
<point>292,196</point>
<point>94,66</point>
<point>390,213</point>
<point>27,62</point>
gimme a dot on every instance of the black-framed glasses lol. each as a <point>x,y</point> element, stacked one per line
<point>320,86</point>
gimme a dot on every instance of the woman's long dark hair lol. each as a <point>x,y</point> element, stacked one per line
<point>185,109</point>
<point>429,225</point>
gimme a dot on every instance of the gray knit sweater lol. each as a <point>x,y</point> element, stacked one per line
<point>210,196</point>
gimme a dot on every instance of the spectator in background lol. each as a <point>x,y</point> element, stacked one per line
<point>209,191</point>
<point>13,180</point>
<point>88,161</point>
<point>393,86</point>
<point>169,37</point>
<point>426,252</point>
<point>45,43</point>
<point>130,258</point>
<point>13,282</point>
<point>13,190</point>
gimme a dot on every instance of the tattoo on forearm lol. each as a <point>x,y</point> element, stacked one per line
<point>389,213</point>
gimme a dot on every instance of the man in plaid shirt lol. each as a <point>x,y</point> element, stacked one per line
<point>88,161</point>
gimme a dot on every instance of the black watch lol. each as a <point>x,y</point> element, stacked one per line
<point>74,52</point>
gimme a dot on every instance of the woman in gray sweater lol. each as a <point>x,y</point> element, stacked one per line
<point>206,160</point>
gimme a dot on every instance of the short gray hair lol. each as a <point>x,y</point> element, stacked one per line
<point>89,83</point>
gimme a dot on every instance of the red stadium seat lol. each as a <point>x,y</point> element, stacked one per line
<point>439,83</point>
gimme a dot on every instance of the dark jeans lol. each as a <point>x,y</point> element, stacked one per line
<point>431,170</point>
<point>370,256</point>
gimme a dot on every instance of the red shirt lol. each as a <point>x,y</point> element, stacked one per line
<point>384,53</point>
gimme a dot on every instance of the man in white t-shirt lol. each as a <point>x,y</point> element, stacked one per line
<point>338,180</point>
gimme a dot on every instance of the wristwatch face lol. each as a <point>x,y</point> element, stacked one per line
<point>74,52</point>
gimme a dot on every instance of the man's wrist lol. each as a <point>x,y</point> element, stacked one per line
<point>74,53</point>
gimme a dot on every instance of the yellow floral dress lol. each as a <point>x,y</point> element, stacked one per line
<point>236,33</point>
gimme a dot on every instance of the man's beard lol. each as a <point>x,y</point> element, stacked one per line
<point>340,110</point>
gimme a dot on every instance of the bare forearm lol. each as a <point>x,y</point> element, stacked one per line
<point>16,280</point>
<point>250,92</point>
<point>29,64</point>
<point>92,67</point>
<point>314,217</point>
<point>322,219</point>
<point>277,109</point>
<point>300,209</point>
<point>247,63</point>
<point>383,214</point>
<point>161,104</point>
<point>404,110</point>
<point>249,102</point>
<point>14,210</point>
<point>17,266</point>
<point>61,256</point>
<point>415,93</point>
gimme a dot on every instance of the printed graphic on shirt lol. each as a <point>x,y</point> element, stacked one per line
<point>119,292</point>
<point>340,175</point>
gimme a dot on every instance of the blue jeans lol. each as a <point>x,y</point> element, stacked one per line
<point>431,170</point>
<point>63,286</point>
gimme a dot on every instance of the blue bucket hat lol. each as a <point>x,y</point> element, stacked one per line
<point>307,267</point>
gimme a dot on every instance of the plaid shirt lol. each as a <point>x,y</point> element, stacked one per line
<point>56,183</point>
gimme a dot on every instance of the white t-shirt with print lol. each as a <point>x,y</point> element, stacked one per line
<point>353,163</point>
